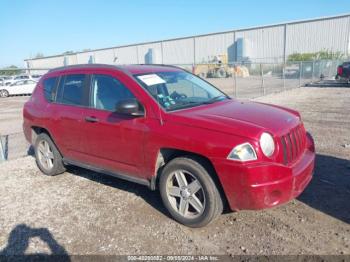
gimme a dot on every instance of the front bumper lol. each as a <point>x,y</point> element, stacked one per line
<point>264,185</point>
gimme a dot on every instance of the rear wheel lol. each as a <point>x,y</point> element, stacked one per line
<point>189,192</point>
<point>48,158</point>
<point>4,93</point>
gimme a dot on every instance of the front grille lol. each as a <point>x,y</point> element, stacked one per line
<point>293,144</point>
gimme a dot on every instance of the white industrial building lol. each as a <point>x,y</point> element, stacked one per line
<point>266,44</point>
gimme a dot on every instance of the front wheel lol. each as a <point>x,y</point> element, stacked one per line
<point>4,93</point>
<point>189,192</point>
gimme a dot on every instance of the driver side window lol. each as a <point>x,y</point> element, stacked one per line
<point>106,92</point>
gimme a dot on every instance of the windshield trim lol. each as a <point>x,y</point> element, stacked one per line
<point>192,105</point>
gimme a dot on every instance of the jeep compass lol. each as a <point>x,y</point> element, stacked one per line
<point>165,128</point>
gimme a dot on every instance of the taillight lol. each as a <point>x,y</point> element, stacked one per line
<point>340,70</point>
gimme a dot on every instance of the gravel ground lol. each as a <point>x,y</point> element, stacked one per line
<point>82,212</point>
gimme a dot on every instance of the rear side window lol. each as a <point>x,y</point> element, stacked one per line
<point>72,90</point>
<point>50,88</point>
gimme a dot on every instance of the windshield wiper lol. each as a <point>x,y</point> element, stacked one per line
<point>187,104</point>
<point>215,99</point>
<point>183,105</point>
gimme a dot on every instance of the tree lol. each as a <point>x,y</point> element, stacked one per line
<point>68,52</point>
<point>320,55</point>
<point>39,55</point>
<point>10,70</point>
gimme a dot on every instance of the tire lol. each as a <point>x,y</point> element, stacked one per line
<point>182,204</point>
<point>48,160</point>
<point>4,93</point>
<point>203,75</point>
<point>221,73</point>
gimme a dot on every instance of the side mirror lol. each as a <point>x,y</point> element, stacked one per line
<point>129,107</point>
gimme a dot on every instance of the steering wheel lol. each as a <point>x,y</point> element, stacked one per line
<point>176,96</point>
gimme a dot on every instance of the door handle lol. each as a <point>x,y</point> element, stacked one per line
<point>91,119</point>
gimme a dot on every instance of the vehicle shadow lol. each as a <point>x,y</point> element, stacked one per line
<point>153,198</point>
<point>329,190</point>
<point>30,151</point>
<point>18,242</point>
<point>328,83</point>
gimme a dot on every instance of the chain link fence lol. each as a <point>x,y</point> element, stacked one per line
<point>251,80</point>
<point>241,80</point>
<point>14,146</point>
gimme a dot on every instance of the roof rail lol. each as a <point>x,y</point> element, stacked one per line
<point>173,66</point>
<point>159,65</point>
<point>86,66</point>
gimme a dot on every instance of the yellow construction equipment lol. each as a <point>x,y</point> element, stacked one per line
<point>217,67</point>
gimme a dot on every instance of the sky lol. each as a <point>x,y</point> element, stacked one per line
<point>53,27</point>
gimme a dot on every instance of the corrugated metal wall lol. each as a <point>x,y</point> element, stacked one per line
<point>143,51</point>
<point>179,51</point>
<point>71,59</point>
<point>83,58</point>
<point>49,62</point>
<point>331,34</point>
<point>126,55</point>
<point>266,44</point>
<point>220,44</point>
<point>106,56</point>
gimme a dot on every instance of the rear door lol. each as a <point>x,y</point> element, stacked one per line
<point>114,141</point>
<point>67,111</point>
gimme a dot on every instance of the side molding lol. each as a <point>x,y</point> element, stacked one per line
<point>133,179</point>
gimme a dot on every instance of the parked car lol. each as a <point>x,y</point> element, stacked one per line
<point>8,80</point>
<point>168,129</point>
<point>23,87</point>
<point>343,72</point>
<point>12,79</point>
<point>36,77</point>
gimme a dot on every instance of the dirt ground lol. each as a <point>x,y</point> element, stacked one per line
<point>11,114</point>
<point>82,212</point>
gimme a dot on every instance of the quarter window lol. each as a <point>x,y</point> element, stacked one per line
<point>50,88</point>
<point>106,92</point>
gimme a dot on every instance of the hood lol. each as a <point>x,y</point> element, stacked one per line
<point>245,119</point>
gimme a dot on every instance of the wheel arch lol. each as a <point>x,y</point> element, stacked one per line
<point>37,130</point>
<point>165,155</point>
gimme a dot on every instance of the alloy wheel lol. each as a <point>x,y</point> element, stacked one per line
<point>4,93</point>
<point>45,155</point>
<point>185,194</point>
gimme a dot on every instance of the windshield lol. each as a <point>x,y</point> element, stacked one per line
<point>177,90</point>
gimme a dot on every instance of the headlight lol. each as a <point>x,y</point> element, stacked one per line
<point>242,152</point>
<point>267,144</point>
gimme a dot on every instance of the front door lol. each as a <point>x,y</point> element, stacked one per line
<point>114,141</point>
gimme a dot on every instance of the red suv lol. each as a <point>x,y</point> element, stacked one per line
<point>165,128</point>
